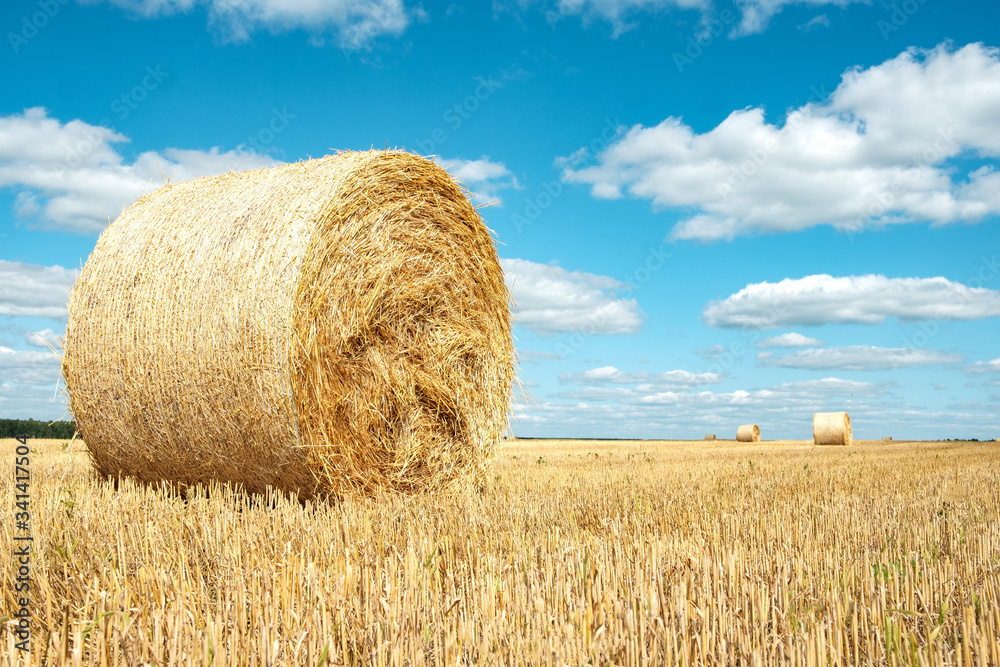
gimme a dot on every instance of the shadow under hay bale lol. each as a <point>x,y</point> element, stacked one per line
<point>748,433</point>
<point>832,428</point>
<point>332,326</point>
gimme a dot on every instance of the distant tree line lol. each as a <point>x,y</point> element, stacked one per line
<point>33,428</point>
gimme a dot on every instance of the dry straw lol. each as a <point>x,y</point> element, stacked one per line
<point>887,438</point>
<point>710,436</point>
<point>832,428</point>
<point>748,433</point>
<point>333,326</point>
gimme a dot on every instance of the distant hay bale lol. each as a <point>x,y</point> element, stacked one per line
<point>710,436</point>
<point>887,438</point>
<point>332,326</point>
<point>832,428</point>
<point>748,433</point>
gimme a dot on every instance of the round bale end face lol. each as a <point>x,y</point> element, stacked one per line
<point>832,428</point>
<point>333,326</point>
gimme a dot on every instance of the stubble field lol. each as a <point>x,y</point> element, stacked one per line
<point>573,552</point>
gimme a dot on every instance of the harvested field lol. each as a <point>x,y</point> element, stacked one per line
<point>574,552</point>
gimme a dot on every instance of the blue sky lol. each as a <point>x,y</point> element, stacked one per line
<point>709,213</point>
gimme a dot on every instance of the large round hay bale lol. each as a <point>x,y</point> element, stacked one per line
<point>887,438</point>
<point>710,436</point>
<point>333,326</point>
<point>832,428</point>
<point>748,433</point>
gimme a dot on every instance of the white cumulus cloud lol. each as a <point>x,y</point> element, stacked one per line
<point>611,375</point>
<point>791,339</point>
<point>992,366</point>
<point>820,20</point>
<point>758,13</point>
<point>803,396</point>
<point>862,358</point>
<point>71,176</point>
<point>619,12</point>
<point>353,23</point>
<point>45,338</point>
<point>482,177</point>
<point>751,16</point>
<point>551,299</point>
<point>881,149</point>
<point>782,411</point>
<point>31,367</point>
<point>33,290</point>
<point>868,299</point>
<point>824,387</point>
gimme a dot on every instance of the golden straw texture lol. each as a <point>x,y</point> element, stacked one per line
<point>748,433</point>
<point>832,428</point>
<point>338,325</point>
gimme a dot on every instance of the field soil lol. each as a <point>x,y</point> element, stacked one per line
<point>569,553</point>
